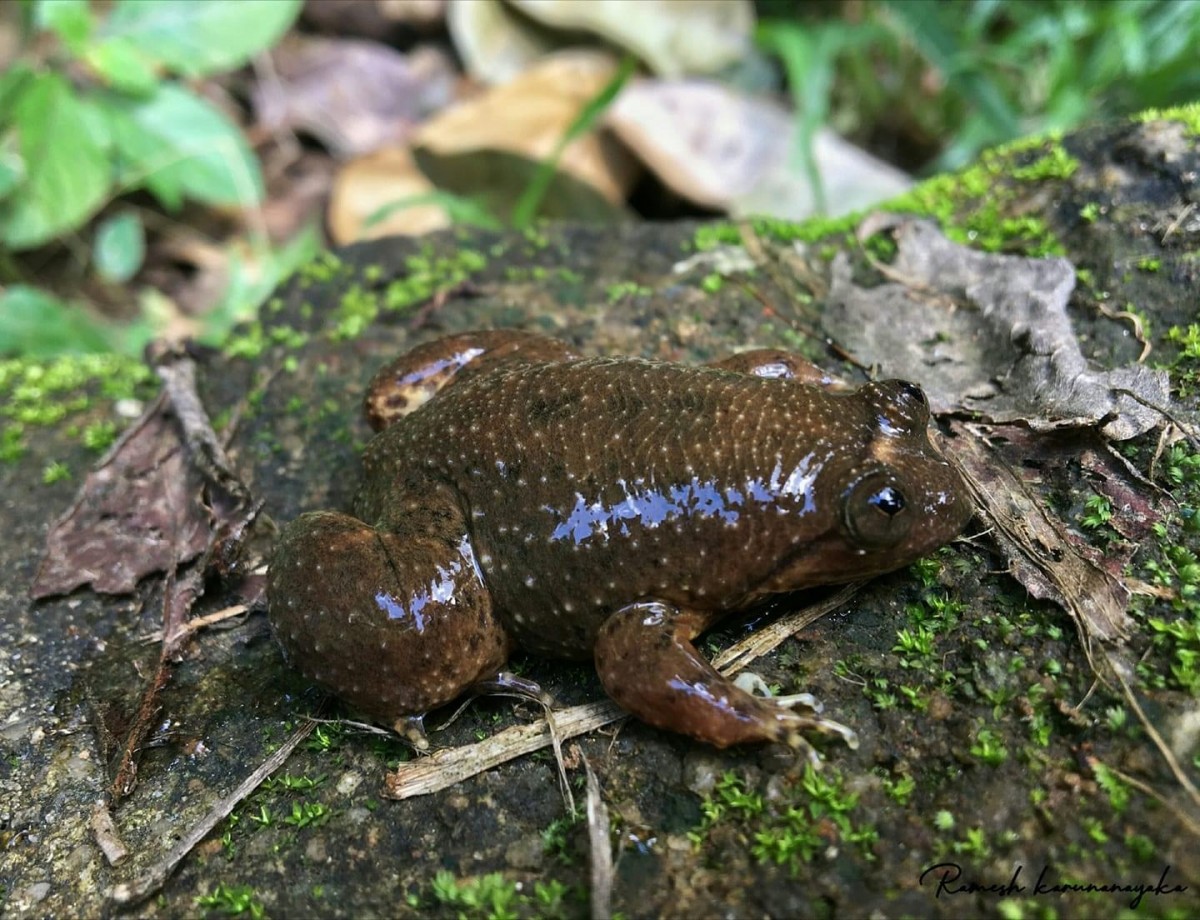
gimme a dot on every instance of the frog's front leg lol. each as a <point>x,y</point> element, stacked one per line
<point>393,623</point>
<point>648,664</point>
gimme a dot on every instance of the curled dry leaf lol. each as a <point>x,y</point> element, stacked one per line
<point>672,37</point>
<point>353,95</point>
<point>989,334</point>
<point>725,150</point>
<point>366,186</point>
<point>489,147</point>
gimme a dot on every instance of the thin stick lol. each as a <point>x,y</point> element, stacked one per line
<point>137,891</point>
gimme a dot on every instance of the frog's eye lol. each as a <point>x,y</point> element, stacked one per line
<point>875,512</point>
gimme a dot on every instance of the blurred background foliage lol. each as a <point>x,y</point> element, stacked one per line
<point>142,188</point>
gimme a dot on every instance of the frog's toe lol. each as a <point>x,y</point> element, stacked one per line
<point>811,722</point>
<point>412,730</point>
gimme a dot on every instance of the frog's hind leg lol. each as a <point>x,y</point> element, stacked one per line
<point>395,624</point>
<point>648,664</point>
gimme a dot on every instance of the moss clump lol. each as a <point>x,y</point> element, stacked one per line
<point>425,274</point>
<point>40,393</point>
<point>1188,114</point>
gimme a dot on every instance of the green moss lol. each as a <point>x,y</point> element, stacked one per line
<point>1056,164</point>
<point>233,901</point>
<point>36,394</point>
<point>623,289</point>
<point>794,828</point>
<point>1188,114</point>
<point>494,896</point>
<point>716,235</point>
<point>322,269</point>
<point>425,274</point>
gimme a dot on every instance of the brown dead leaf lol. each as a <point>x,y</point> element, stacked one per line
<point>489,147</point>
<point>382,20</point>
<point>138,512</point>
<point>353,95</point>
<point>1040,553</point>
<point>988,334</point>
<point>373,182</point>
<point>413,12</point>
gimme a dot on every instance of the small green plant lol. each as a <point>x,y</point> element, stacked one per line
<point>233,901</point>
<point>493,897</point>
<point>988,748</point>
<point>305,814</point>
<point>1097,512</point>
<point>900,789</point>
<point>1118,791</point>
<point>793,830</point>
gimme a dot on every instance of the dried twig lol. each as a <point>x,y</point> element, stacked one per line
<point>137,891</point>
<point>453,765</point>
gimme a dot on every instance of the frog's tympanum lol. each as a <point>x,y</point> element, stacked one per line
<point>518,494</point>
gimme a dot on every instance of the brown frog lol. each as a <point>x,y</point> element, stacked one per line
<point>613,508</point>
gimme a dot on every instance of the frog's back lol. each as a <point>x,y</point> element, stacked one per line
<point>591,484</point>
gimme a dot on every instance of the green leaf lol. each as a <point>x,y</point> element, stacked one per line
<point>201,37</point>
<point>12,84</point>
<point>70,20</point>
<point>68,173</point>
<point>120,247</point>
<point>122,66</point>
<point>176,145</point>
<point>38,325</point>
<point>12,167</point>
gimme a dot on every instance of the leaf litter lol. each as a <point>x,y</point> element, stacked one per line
<point>989,338</point>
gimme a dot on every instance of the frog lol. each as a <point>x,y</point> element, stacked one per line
<point>518,494</point>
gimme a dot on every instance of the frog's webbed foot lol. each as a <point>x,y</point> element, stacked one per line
<point>648,664</point>
<point>755,685</point>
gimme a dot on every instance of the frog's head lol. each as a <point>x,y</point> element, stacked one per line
<point>891,498</point>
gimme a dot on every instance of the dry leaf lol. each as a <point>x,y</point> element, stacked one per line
<point>495,44</point>
<point>1007,351</point>
<point>352,95</point>
<point>138,512</point>
<point>369,183</point>
<point>489,147</point>
<point>672,37</point>
<point>413,12</point>
<point>1035,543</point>
<point>729,151</point>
